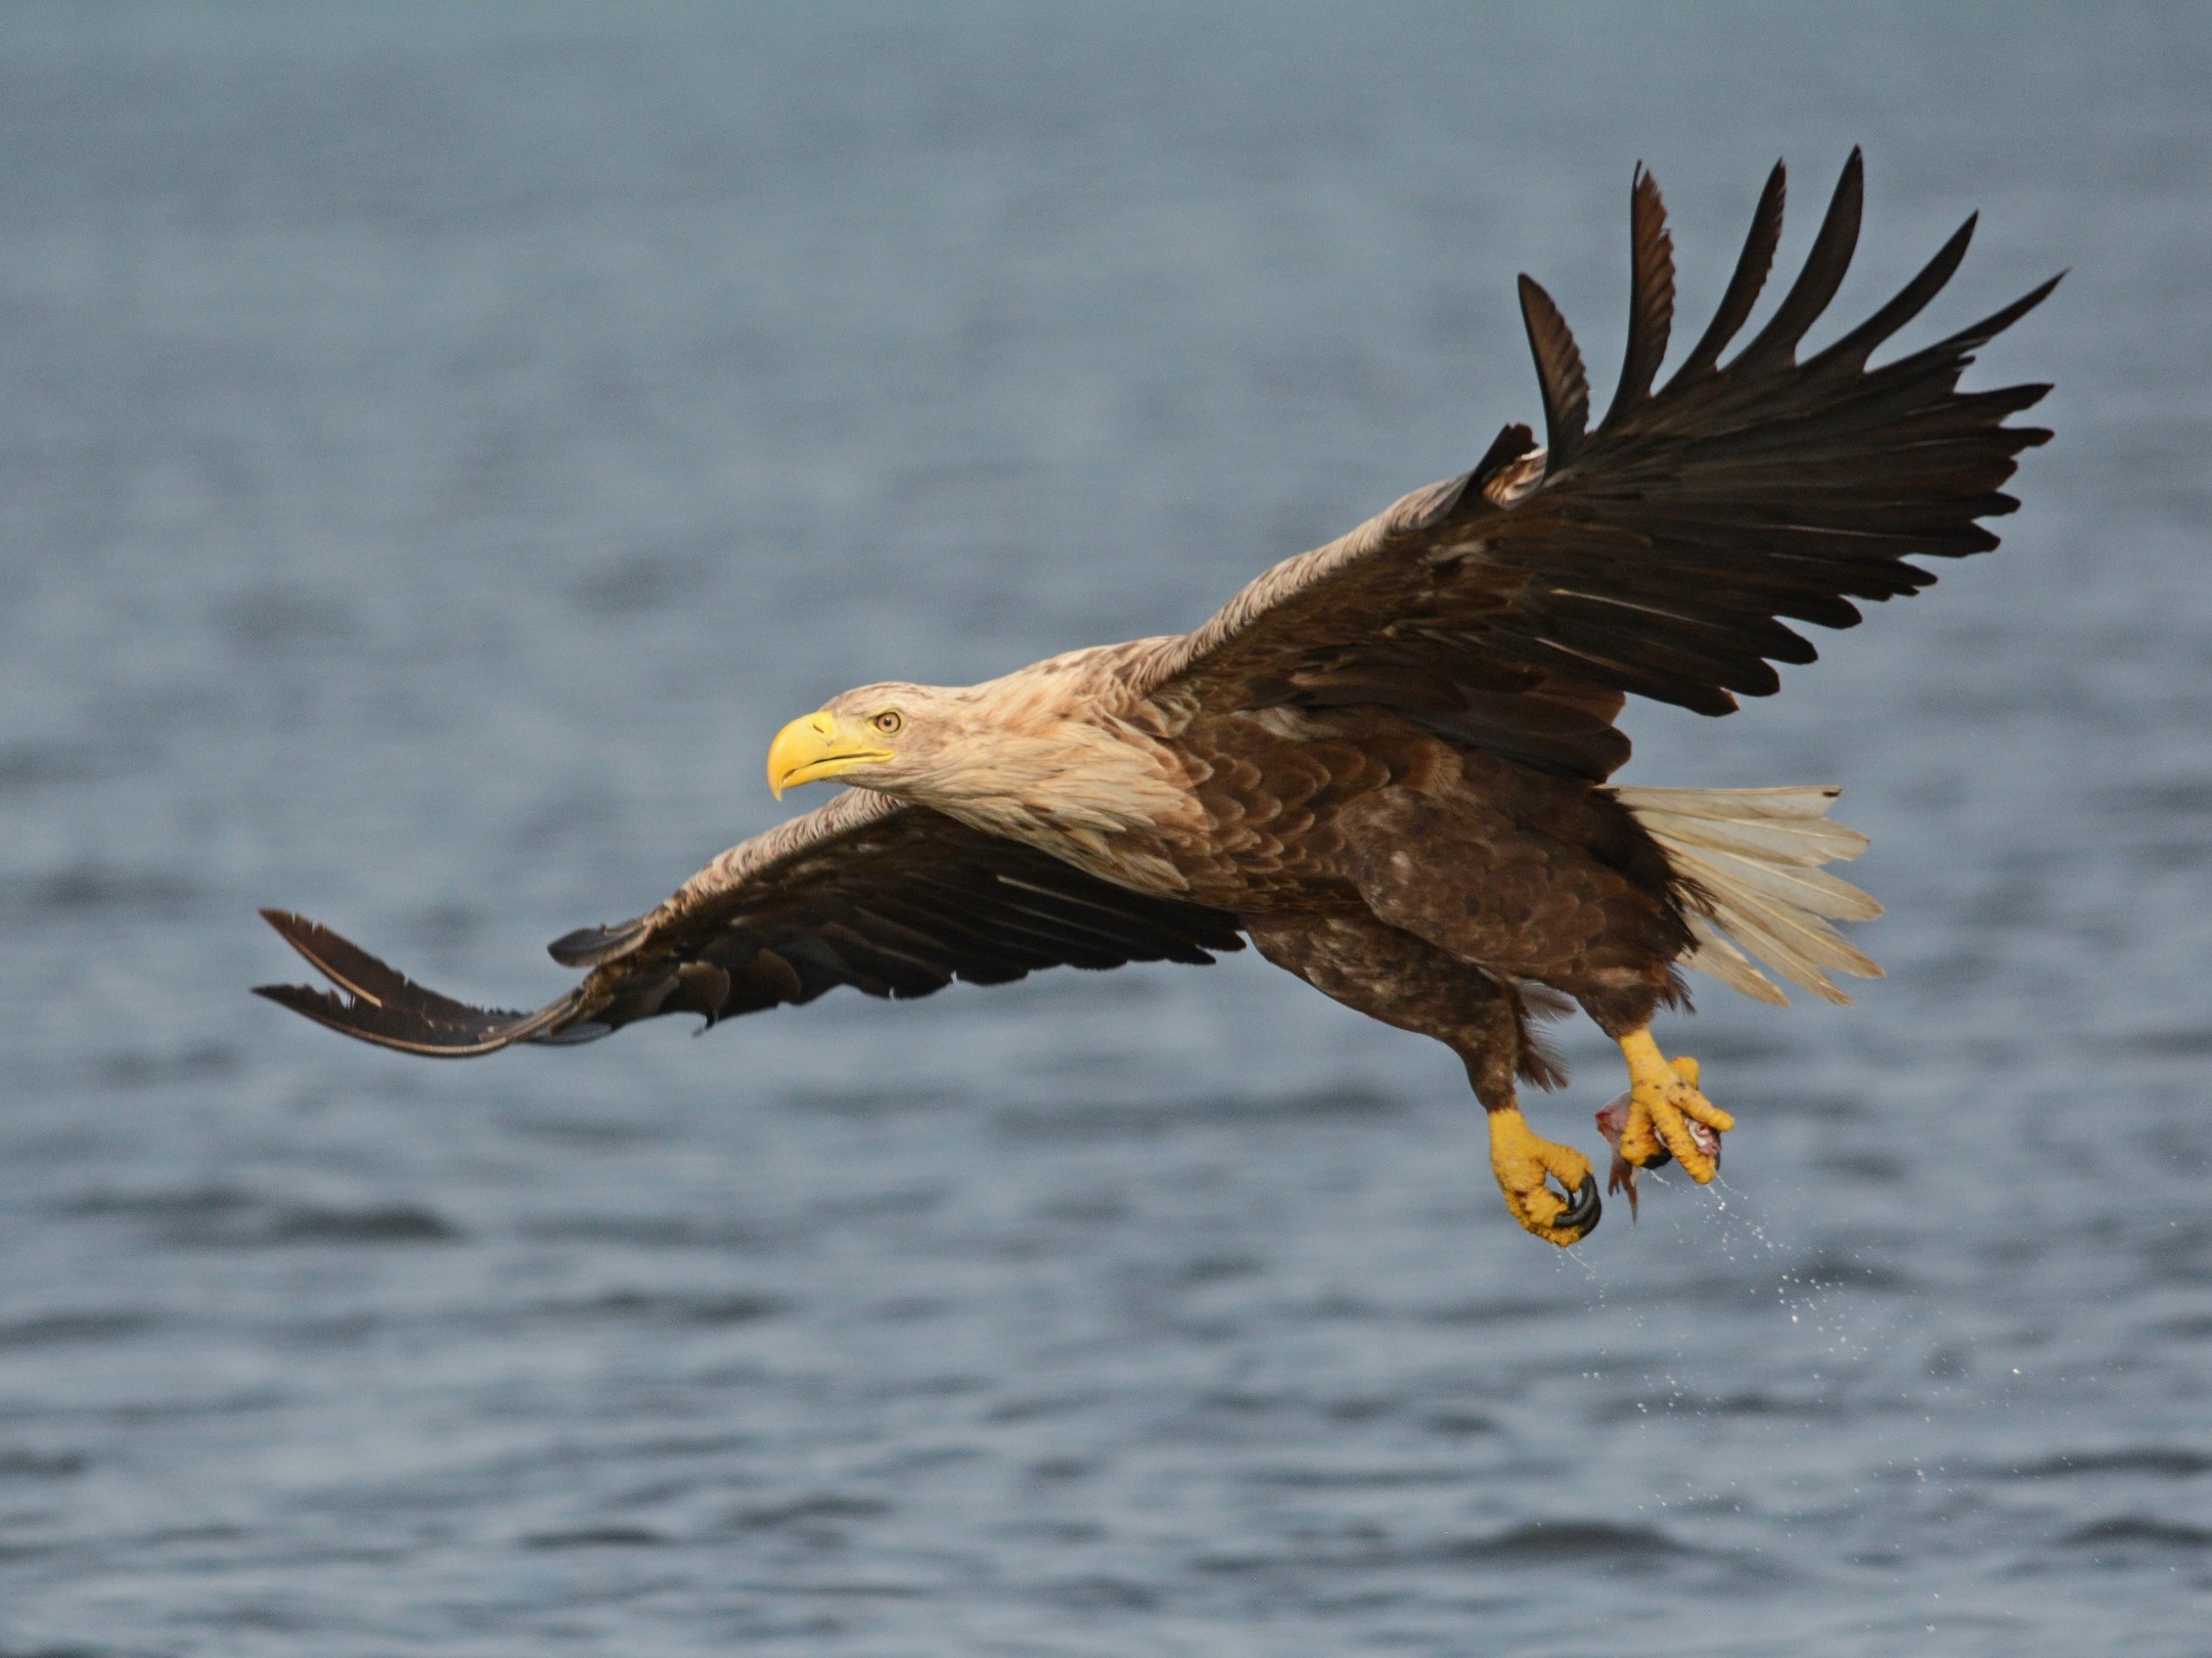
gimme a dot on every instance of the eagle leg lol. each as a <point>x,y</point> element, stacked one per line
<point>1663,1102</point>
<point>1521,1159</point>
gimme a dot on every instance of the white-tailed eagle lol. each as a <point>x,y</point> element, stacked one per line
<point>1383,762</point>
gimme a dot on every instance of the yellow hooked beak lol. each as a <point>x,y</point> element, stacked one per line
<point>820,745</point>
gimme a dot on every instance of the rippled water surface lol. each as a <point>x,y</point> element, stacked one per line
<point>439,447</point>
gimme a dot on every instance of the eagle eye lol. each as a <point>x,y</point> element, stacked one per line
<point>889,722</point>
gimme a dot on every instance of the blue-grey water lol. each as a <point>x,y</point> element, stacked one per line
<point>438,447</point>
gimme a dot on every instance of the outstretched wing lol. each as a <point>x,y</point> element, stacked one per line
<point>894,900</point>
<point>1514,608</point>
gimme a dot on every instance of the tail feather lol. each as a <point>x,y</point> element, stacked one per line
<point>1803,841</point>
<point>1718,959</point>
<point>1739,805</point>
<point>1798,886</point>
<point>1750,862</point>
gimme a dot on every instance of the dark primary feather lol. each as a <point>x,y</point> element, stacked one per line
<point>1651,297</point>
<point>1823,274</point>
<point>892,900</point>
<point>1743,283</point>
<point>1558,371</point>
<point>1665,552</point>
<point>378,1004</point>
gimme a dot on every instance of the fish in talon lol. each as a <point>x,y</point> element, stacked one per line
<point>1612,1123</point>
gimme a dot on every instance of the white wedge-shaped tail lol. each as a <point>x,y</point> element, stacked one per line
<point>1750,860</point>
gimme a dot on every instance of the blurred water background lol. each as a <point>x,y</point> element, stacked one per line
<point>439,446</point>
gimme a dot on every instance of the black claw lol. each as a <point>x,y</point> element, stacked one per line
<point>1581,1215</point>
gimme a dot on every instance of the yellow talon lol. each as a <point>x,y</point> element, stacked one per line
<point>1663,1100</point>
<point>1521,1158</point>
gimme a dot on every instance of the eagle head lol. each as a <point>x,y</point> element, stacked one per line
<point>899,735</point>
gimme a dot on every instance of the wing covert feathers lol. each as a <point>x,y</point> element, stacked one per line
<point>1665,552</point>
<point>892,900</point>
<point>1750,862</point>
